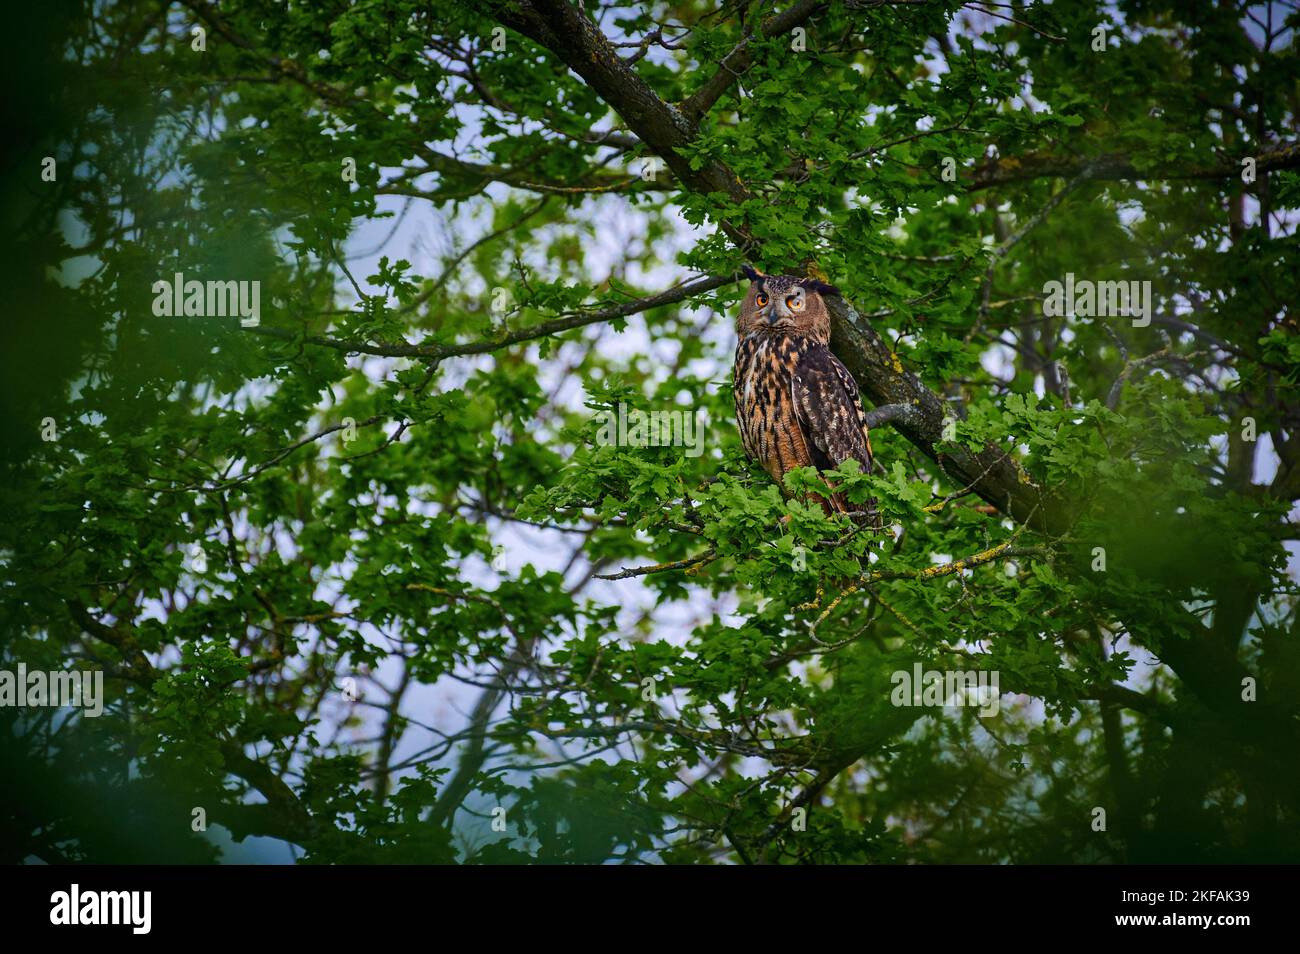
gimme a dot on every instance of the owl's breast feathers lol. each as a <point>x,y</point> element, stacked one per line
<point>798,406</point>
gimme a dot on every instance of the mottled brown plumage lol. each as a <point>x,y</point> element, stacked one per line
<point>796,404</point>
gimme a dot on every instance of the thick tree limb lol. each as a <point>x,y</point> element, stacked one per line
<point>892,414</point>
<point>992,473</point>
<point>567,32</point>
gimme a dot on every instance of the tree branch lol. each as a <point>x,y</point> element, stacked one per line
<point>567,322</point>
<point>1115,166</point>
<point>738,60</point>
<point>571,36</point>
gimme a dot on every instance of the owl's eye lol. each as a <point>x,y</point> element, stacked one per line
<point>795,302</point>
<point>761,300</point>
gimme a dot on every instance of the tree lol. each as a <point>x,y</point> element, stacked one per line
<point>296,538</point>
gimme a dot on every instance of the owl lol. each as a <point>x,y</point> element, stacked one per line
<point>796,404</point>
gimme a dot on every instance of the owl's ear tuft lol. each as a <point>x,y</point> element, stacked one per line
<point>821,287</point>
<point>750,272</point>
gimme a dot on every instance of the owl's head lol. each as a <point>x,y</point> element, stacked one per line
<point>785,304</point>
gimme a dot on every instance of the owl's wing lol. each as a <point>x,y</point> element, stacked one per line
<point>828,407</point>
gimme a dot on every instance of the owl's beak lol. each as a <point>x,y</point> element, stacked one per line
<point>777,312</point>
